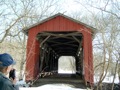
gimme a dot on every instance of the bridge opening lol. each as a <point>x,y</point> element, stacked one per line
<point>61,57</point>
<point>67,65</point>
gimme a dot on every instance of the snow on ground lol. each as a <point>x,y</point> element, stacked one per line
<point>62,86</point>
<point>51,87</point>
<point>108,79</point>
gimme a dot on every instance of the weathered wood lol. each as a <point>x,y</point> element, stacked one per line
<point>64,36</point>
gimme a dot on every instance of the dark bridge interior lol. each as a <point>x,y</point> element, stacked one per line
<point>56,44</point>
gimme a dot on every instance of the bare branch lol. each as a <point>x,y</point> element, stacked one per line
<point>8,29</point>
<point>107,11</point>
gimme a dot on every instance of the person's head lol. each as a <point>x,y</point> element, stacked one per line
<point>6,62</point>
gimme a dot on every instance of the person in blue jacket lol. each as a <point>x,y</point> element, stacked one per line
<point>6,62</point>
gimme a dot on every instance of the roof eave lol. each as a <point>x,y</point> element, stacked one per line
<point>25,30</point>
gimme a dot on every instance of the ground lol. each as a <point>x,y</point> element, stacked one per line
<point>52,87</point>
<point>107,83</point>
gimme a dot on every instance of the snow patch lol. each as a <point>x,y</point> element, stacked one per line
<point>52,87</point>
<point>107,79</point>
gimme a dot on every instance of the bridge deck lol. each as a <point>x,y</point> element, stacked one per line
<point>74,81</point>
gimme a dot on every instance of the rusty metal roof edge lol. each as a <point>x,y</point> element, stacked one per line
<point>25,30</point>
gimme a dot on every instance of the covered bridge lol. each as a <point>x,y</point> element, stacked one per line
<point>56,36</point>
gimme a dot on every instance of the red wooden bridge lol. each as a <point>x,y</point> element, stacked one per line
<point>56,36</point>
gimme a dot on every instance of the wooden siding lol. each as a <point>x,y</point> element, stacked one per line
<point>58,24</point>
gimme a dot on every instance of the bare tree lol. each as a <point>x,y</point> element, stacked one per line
<point>16,15</point>
<point>106,42</point>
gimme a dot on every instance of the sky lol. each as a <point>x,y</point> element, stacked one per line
<point>83,6</point>
<point>72,7</point>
